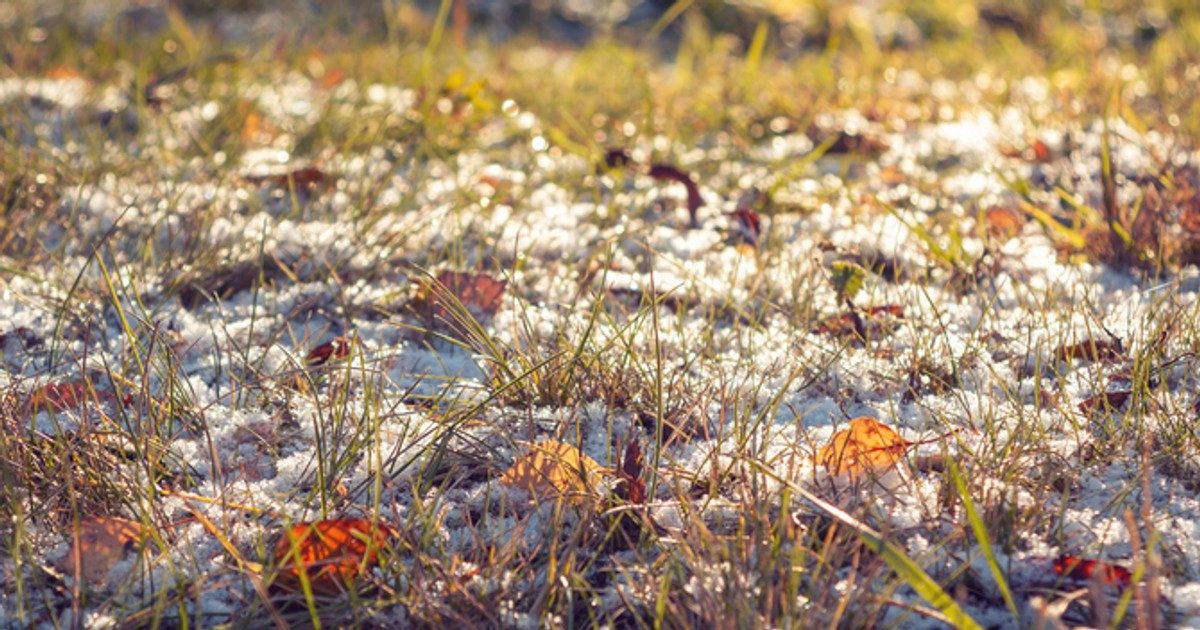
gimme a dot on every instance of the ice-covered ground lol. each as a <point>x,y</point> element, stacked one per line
<point>971,371</point>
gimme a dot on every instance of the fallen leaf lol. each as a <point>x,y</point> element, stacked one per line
<point>333,350</point>
<point>847,278</point>
<point>842,142</point>
<point>1041,152</point>
<point>101,543</point>
<point>1003,222</point>
<point>632,488</point>
<point>872,322</point>
<point>1082,569</point>
<point>867,446</point>
<point>749,225</point>
<point>331,553</point>
<point>552,470</point>
<point>479,293</point>
<point>617,158</point>
<point>1091,350</point>
<point>302,178</point>
<point>670,172</point>
<point>63,396</point>
<point>1106,400</point>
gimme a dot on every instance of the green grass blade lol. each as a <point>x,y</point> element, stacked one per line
<point>981,536</point>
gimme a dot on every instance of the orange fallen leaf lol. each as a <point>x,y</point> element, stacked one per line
<point>101,543</point>
<point>331,553</point>
<point>1003,222</point>
<point>867,446</point>
<point>554,470</point>
<point>60,73</point>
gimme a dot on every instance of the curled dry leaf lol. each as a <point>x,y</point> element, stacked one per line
<point>331,553</point>
<point>103,541</point>
<point>673,173</point>
<point>632,488</point>
<point>553,470</point>
<point>865,447</point>
<point>335,349</point>
<point>1084,570</point>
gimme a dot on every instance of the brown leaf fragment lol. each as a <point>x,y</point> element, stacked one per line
<point>872,322</point>
<point>843,142</point>
<point>1105,400</point>
<point>749,225</point>
<point>335,349</point>
<point>617,158</point>
<point>1084,570</point>
<point>441,301</point>
<point>632,488</point>
<point>304,178</point>
<point>100,543</point>
<point>1003,222</point>
<point>670,172</point>
<point>1091,350</point>
<point>65,396</point>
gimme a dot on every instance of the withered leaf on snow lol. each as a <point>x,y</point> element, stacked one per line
<point>632,487</point>
<point>68,395</point>
<point>867,446</point>
<point>102,542</point>
<point>335,349</point>
<point>553,470</point>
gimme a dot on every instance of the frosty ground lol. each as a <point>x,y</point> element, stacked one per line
<point>175,246</point>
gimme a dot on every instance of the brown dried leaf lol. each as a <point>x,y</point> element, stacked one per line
<point>1105,400</point>
<point>102,542</point>
<point>1091,350</point>
<point>553,470</point>
<point>335,349</point>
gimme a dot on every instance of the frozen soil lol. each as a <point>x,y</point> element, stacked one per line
<point>191,281</point>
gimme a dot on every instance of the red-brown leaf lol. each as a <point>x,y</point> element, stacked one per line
<point>333,350</point>
<point>479,292</point>
<point>1082,569</point>
<point>1106,400</point>
<point>1091,350</point>
<point>670,172</point>
<point>332,553</point>
<point>633,487</point>
<point>64,396</point>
